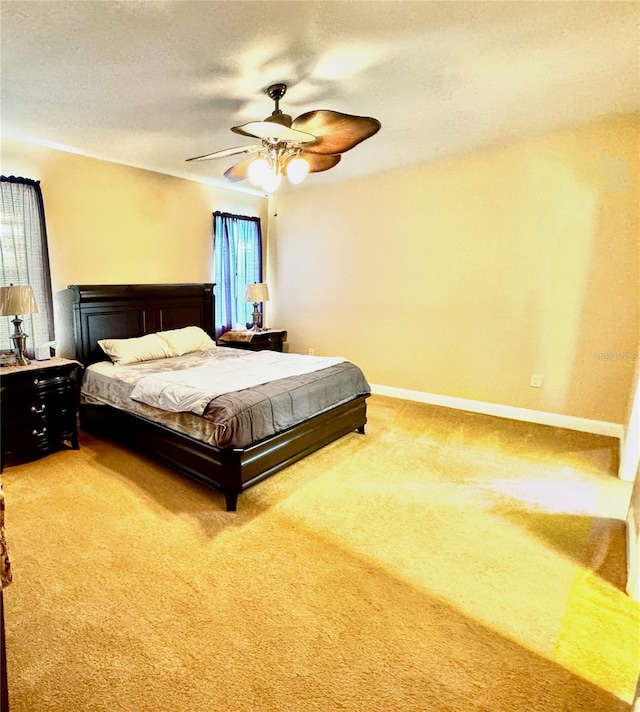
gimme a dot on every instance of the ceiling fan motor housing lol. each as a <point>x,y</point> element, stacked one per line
<point>276,92</point>
<point>279,118</point>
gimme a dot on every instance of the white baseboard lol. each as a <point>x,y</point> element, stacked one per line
<point>570,422</point>
<point>633,557</point>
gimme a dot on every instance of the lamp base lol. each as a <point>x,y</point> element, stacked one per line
<point>19,339</point>
<point>22,360</point>
<point>256,318</point>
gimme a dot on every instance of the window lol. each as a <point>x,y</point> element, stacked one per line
<point>237,261</point>
<point>24,258</point>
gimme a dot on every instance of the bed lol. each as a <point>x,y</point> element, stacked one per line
<point>130,311</point>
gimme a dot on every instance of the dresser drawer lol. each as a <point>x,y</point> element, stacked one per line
<point>272,342</point>
<point>35,402</point>
<point>39,436</point>
<point>34,382</point>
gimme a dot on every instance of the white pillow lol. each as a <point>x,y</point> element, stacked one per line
<point>140,348</point>
<point>187,339</point>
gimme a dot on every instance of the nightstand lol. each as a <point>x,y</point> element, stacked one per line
<point>39,409</point>
<point>269,340</point>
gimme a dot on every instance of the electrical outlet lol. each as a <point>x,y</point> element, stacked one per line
<point>312,352</point>
<point>536,380</point>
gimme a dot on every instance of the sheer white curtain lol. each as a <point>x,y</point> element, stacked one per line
<point>24,257</point>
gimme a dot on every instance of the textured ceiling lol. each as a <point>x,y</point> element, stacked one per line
<point>150,84</point>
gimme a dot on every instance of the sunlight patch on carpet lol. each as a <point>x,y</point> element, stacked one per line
<point>437,539</point>
<point>600,635</point>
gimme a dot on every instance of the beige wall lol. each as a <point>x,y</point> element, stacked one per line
<point>466,276</point>
<point>112,224</point>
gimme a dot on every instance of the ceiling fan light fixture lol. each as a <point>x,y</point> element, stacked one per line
<point>297,169</point>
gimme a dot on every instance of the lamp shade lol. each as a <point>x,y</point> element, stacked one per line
<point>17,300</point>
<point>258,292</point>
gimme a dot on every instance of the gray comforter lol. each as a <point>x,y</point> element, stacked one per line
<point>234,419</point>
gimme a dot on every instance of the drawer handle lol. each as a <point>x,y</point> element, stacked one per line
<point>38,410</point>
<point>39,434</point>
<point>36,381</point>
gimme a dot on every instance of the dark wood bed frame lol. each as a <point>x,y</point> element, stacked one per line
<point>125,311</point>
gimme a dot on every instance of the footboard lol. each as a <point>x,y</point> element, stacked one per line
<point>228,470</point>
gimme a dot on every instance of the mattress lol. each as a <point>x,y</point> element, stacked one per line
<point>234,419</point>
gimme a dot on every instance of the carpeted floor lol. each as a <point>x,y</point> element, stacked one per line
<point>443,561</point>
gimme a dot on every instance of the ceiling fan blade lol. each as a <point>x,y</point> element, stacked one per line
<point>239,171</point>
<point>317,162</point>
<point>266,130</point>
<point>228,152</point>
<point>335,132</point>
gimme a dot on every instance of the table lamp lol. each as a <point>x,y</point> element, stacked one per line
<point>256,293</point>
<point>18,300</point>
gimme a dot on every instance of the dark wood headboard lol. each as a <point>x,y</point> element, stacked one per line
<point>122,311</point>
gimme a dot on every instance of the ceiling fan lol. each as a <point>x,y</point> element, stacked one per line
<point>311,143</point>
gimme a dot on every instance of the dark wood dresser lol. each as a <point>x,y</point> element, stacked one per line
<point>39,409</point>
<point>269,340</point>
<point>5,580</point>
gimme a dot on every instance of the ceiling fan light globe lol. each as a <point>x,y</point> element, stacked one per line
<point>271,181</point>
<point>297,170</point>
<point>258,170</point>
